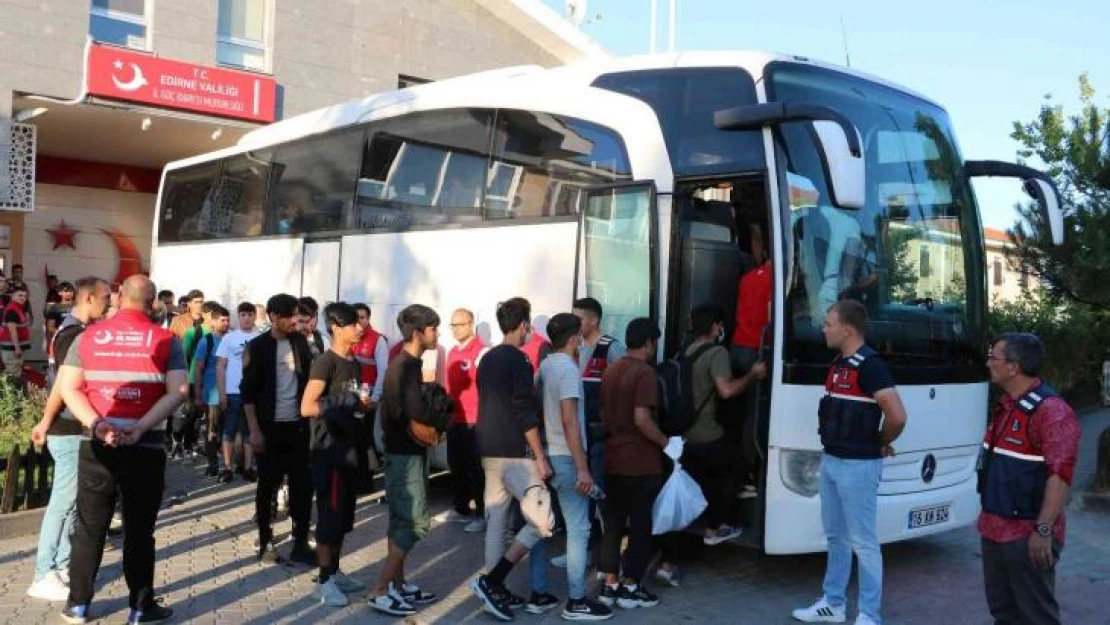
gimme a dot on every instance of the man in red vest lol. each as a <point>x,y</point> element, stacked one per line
<point>372,354</point>
<point>121,379</point>
<point>462,444</point>
<point>15,333</point>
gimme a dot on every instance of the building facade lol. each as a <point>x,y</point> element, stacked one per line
<point>96,96</point>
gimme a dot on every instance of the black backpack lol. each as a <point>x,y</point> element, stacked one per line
<point>676,412</point>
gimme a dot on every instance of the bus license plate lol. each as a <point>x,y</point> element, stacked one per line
<point>929,516</point>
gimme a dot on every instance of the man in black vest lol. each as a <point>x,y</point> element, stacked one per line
<point>859,394</point>
<point>1032,441</point>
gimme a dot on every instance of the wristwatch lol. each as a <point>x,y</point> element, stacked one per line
<point>1044,529</point>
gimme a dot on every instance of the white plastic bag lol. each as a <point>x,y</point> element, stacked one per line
<point>678,505</point>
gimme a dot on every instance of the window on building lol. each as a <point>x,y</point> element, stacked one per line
<point>241,34</point>
<point>405,81</point>
<point>997,272</point>
<point>924,265</point>
<point>313,184</point>
<point>120,23</point>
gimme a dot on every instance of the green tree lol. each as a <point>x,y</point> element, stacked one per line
<point>1073,149</point>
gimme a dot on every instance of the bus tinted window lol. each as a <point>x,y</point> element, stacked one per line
<point>185,193</point>
<point>685,100</point>
<point>241,197</point>
<point>313,183</point>
<point>541,163</point>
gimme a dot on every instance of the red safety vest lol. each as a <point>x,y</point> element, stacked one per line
<point>395,350</point>
<point>462,379</point>
<point>23,331</point>
<point>532,349</point>
<point>125,359</point>
<point>364,354</point>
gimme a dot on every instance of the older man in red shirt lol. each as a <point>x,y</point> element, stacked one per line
<point>1025,473</point>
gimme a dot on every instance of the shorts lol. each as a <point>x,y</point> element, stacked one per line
<point>211,395</point>
<point>406,492</point>
<point>235,420</point>
<point>335,502</point>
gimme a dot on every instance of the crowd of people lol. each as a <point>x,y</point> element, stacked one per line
<point>544,434</point>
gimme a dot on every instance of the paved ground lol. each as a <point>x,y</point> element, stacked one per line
<point>208,573</point>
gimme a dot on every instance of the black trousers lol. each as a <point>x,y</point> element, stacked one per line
<point>1018,593</point>
<point>715,467</point>
<point>468,480</point>
<point>185,426</point>
<point>628,502</point>
<point>285,456</point>
<point>138,473</point>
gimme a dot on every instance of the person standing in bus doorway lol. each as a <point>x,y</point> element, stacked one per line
<point>275,373</point>
<point>406,462</point>
<point>859,417</point>
<point>467,478</point>
<point>229,375</point>
<point>62,433</point>
<point>206,393</point>
<point>335,406</point>
<point>308,316</point>
<point>121,391</point>
<point>710,456</point>
<point>372,354</point>
<point>1033,439</point>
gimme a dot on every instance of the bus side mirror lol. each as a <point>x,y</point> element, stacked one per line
<point>835,136</point>
<point>1036,184</point>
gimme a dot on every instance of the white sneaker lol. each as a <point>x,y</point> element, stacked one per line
<point>477,526</point>
<point>820,612</point>
<point>724,534</point>
<point>49,588</point>
<point>63,574</point>
<point>346,583</point>
<point>329,594</point>
<point>863,619</point>
<point>452,516</point>
<point>559,562</point>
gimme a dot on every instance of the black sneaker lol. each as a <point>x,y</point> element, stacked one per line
<point>515,602</point>
<point>639,598</point>
<point>225,476</point>
<point>541,602</point>
<point>153,612</point>
<point>391,603</point>
<point>586,610</point>
<point>608,595</point>
<point>76,614</point>
<point>268,554</point>
<point>493,597</point>
<point>301,553</point>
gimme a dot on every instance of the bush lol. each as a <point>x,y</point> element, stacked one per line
<point>19,411</point>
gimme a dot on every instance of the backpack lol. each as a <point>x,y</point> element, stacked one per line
<point>676,412</point>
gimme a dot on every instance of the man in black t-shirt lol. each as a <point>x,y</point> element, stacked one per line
<point>62,434</point>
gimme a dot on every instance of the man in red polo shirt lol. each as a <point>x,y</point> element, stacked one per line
<point>121,379</point>
<point>753,311</point>
<point>462,445</point>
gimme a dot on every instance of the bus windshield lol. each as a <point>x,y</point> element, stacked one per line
<point>913,254</point>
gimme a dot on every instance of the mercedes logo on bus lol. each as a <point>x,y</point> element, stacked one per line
<point>928,468</point>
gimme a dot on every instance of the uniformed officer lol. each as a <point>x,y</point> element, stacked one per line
<point>121,379</point>
<point>1032,444</point>
<point>859,392</point>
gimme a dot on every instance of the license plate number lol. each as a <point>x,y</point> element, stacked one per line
<point>929,516</point>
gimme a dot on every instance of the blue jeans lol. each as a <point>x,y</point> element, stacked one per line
<point>61,512</point>
<point>576,516</point>
<point>849,507</point>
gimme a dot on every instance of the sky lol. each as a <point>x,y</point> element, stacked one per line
<point>988,62</point>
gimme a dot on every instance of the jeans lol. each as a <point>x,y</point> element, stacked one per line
<point>286,455</point>
<point>509,479</point>
<point>849,504</point>
<point>61,512</point>
<point>576,515</point>
<point>1017,591</point>
<point>138,474</point>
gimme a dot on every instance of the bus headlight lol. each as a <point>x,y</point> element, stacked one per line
<point>800,470</point>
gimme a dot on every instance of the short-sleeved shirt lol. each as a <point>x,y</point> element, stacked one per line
<point>340,376</point>
<point>57,312</point>
<point>712,364</point>
<point>560,380</point>
<point>175,363</point>
<point>189,347</point>
<point>231,348</point>
<point>206,352</point>
<point>629,384</point>
<point>287,406</point>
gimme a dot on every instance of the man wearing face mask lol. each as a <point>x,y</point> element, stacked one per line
<point>710,457</point>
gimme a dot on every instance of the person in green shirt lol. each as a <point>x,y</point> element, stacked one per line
<point>185,424</point>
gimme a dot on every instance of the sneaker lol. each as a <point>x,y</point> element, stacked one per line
<point>63,574</point>
<point>670,577</point>
<point>154,612</point>
<point>225,476</point>
<point>115,528</point>
<point>515,602</point>
<point>453,516</point>
<point>250,475</point>
<point>492,597</point>
<point>559,562</point>
<point>268,554</point>
<point>820,612</point>
<point>586,610</point>
<point>414,595</point>
<point>330,594</point>
<point>391,603</point>
<point>477,526</point>
<point>49,588</point>
<point>541,602</point>
<point>863,619</point>
<point>76,614</point>
<point>346,583</point>
<point>748,492</point>
<point>724,534</point>
<point>301,553</point>
<point>639,597</point>
<point>608,594</point>
<point>178,452</point>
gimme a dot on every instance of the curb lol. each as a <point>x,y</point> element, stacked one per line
<point>20,524</point>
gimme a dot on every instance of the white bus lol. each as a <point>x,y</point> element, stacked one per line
<point>635,181</point>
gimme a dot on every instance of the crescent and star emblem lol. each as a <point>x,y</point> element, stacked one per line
<point>137,80</point>
<point>102,337</point>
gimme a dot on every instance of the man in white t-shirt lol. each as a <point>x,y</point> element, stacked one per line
<point>229,373</point>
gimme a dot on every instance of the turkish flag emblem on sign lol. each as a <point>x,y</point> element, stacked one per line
<point>121,74</point>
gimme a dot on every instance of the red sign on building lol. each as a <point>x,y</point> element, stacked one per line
<point>135,77</point>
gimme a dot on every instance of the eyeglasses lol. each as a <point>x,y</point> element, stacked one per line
<point>459,325</point>
<point>993,358</point>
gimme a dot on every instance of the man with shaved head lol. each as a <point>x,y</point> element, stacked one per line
<point>121,379</point>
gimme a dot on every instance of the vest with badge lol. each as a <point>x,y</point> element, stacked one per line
<point>125,359</point>
<point>591,387</point>
<point>849,418</point>
<point>462,380</point>
<point>364,353</point>
<point>1012,470</point>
